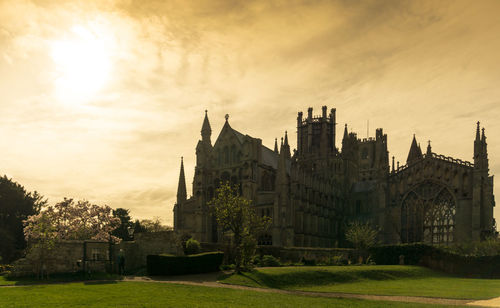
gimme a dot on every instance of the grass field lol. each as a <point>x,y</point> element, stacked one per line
<point>4,281</point>
<point>376,279</point>
<point>141,294</point>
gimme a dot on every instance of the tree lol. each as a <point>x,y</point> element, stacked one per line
<point>361,235</point>
<point>125,223</point>
<point>16,204</point>
<point>154,225</point>
<point>236,215</point>
<point>68,220</point>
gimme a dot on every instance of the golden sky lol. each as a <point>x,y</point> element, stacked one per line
<point>100,99</point>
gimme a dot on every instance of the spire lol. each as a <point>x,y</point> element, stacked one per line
<point>286,138</point>
<point>206,130</point>
<point>345,131</point>
<point>392,163</point>
<point>415,152</point>
<point>429,149</point>
<point>483,136</point>
<point>181,189</point>
<point>477,132</point>
<point>276,145</point>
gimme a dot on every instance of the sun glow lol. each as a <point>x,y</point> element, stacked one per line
<point>83,64</point>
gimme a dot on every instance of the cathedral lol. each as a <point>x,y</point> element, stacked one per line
<point>314,192</point>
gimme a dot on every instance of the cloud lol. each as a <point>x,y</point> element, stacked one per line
<point>422,67</point>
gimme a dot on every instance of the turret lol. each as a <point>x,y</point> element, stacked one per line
<point>333,120</point>
<point>480,150</point>
<point>206,130</point>
<point>316,135</point>
<point>415,152</point>
<point>181,189</point>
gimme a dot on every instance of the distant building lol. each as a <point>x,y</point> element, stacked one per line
<point>312,194</point>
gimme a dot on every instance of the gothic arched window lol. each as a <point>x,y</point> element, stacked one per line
<point>428,215</point>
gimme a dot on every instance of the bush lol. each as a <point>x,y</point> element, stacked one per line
<point>389,254</point>
<point>192,247</point>
<point>308,262</point>
<point>5,269</point>
<point>269,260</point>
<point>180,265</point>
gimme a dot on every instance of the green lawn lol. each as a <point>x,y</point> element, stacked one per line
<point>4,281</point>
<point>143,294</point>
<point>372,279</point>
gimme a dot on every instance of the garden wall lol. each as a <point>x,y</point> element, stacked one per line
<point>64,257</point>
<point>144,244</point>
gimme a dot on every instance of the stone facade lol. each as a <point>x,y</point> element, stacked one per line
<point>312,194</point>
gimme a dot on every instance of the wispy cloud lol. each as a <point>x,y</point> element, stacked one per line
<point>422,67</point>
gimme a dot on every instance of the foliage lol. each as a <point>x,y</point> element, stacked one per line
<point>389,254</point>
<point>138,228</point>
<point>67,220</point>
<point>180,265</point>
<point>269,260</point>
<point>361,235</point>
<point>70,220</point>
<point>488,247</point>
<point>369,279</point>
<point>192,247</point>
<point>153,225</point>
<point>16,204</point>
<point>125,223</point>
<point>235,215</point>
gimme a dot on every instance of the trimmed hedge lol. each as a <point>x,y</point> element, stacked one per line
<point>468,266</point>
<point>438,259</point>
<point>180,265</point>
<point>389,254</point>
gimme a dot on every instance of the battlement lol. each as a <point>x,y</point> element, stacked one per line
<point>434,156</point>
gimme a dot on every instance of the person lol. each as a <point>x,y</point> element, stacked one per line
<point>121,262</point>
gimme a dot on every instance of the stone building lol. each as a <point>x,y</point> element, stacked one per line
<point>312,194</point>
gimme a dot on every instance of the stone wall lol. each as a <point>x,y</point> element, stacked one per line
<point>144,244</point>
<point>64,257</point>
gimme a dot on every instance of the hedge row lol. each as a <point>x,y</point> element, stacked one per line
<point>389,254</point>
<point>469,266</point>
<point>438,259</point>
<point>179,265</point>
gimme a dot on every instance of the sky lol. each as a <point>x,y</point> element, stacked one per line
<point>100,99</point>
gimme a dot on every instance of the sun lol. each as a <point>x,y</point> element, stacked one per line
<point>82,64</point>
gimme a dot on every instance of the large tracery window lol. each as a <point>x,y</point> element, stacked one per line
<point>428,215</point>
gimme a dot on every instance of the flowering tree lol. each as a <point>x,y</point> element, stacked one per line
<point>68,220</point>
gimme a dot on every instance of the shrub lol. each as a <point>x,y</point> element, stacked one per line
<point>5,269</point>
<point>361,235</point>
<point>337,260</point>
<point>180,265</point>
<point>269,260</point>
<point>389,254</point>
<point>308,262</point>
<point>192,247</point>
